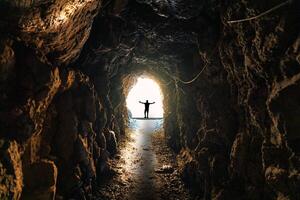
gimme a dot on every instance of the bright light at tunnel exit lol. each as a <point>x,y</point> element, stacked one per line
<point>145,89</point>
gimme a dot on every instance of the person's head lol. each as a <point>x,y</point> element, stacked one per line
<point>146,101</point>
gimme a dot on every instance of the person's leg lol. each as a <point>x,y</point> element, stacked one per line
<point>145,112</point>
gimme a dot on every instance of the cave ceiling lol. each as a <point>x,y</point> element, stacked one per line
<point>149,33</point>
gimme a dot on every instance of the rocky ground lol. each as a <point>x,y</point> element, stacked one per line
<point>145,168</point>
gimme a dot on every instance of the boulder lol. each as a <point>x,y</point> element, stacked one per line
<point>40,180</point>
<point>101,140</point>
<point>111,142</point>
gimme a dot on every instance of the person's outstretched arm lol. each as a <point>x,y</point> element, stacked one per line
<point>141,102</point>
<point>153,102</point>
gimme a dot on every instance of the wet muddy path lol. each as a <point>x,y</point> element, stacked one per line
<point>146,167</point>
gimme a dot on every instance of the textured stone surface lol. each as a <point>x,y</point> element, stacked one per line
<point>56,29</point>
<point>59,29</point>
<point>64,77</point>
<point>43,106</point>
<point>11,175</point>
<point>40,180</point>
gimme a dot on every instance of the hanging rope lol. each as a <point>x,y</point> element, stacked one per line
<point>195,78</point>
<point>261,14</point>
<point>168,83</point>
<point>175,78</point>
<point>230,22</point>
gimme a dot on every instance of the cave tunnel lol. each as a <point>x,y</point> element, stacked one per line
<point>224,76</point>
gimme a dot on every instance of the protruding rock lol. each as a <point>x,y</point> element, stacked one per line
<point>11,175</point>
<point>40,180</point>
<point>111,141</point>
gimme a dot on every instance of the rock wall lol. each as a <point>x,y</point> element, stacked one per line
<point>66,67</point>
<point>54,124</point>
<point>262,61</point>
<point>246,144</point>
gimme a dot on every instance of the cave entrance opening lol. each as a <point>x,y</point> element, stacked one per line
<point>145,89</point>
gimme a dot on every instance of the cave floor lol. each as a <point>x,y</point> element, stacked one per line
<point>145,167</point>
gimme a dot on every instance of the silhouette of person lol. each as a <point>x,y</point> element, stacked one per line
<point>146,111</point>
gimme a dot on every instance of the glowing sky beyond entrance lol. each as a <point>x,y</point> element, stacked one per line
<point>145,89</point>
